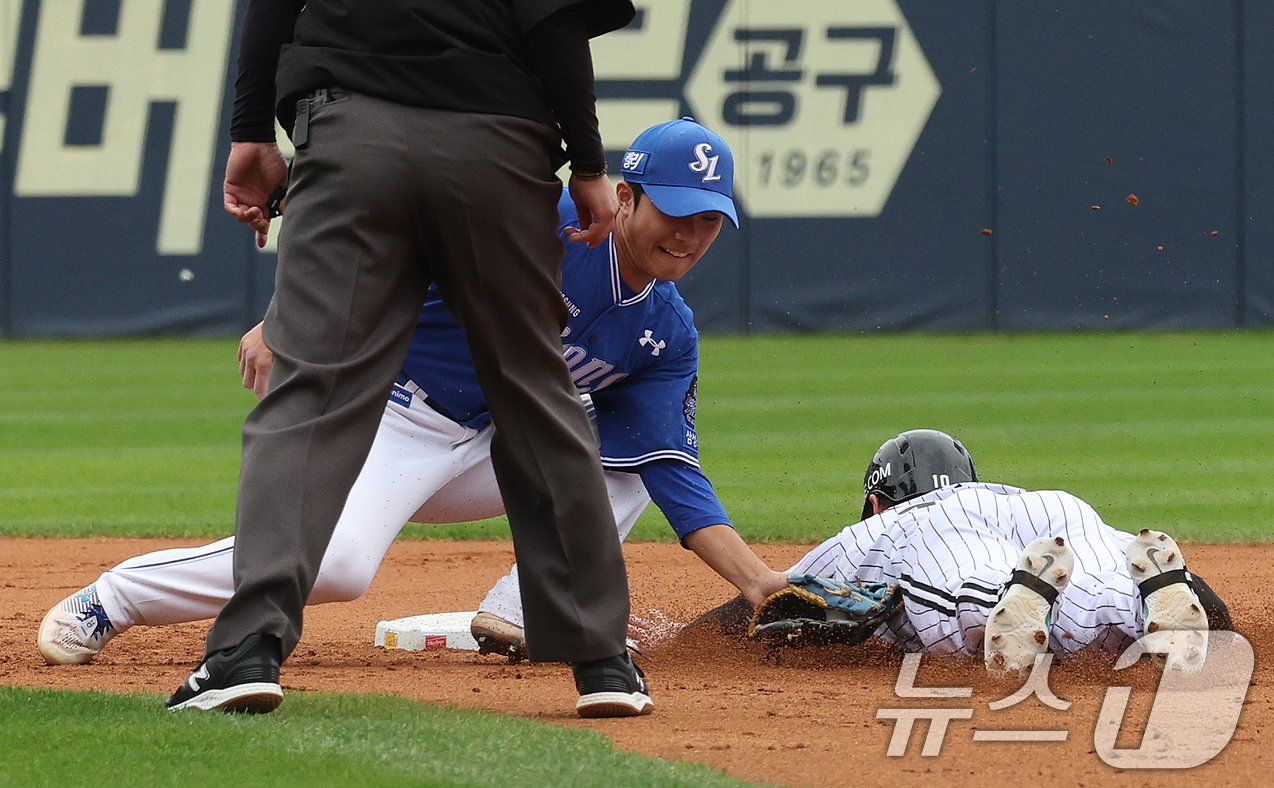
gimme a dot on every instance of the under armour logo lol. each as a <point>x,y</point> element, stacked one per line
<point>655,344</point>
<point>199,675</point>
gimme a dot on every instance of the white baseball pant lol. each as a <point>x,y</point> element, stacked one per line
<point>422,467</point>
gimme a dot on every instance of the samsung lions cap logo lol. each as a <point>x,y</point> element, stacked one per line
<point>684,168</point>
<point>635,162</point>
<point>705,163</point>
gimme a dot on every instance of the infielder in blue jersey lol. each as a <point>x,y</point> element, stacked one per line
<point>633,351</point>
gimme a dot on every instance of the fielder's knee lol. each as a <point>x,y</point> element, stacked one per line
<point>341,580</point>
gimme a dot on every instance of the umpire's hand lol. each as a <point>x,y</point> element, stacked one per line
<point>596,205</point>
<point>253,171</point>
<point>255,360</point>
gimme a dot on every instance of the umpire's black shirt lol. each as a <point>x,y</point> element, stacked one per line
<point>461,55</point>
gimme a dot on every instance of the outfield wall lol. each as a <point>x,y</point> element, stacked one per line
<point>903,164</point>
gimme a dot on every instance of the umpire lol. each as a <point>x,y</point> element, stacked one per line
<point>427,136</point>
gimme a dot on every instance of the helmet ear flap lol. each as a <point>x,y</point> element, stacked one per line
<point>867,510</point>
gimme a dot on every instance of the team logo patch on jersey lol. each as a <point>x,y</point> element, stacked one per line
<point>400,395</point>
<point>635,162</point>
<point>691,403</point>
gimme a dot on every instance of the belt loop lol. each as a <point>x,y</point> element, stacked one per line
<point>301,130</point>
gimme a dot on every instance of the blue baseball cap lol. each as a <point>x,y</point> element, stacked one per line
<point>684,169</point>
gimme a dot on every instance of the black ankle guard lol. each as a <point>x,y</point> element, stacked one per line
<point>1153,584</point>
<point>1021,577</point>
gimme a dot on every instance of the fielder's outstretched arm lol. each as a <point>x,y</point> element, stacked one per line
<point>722,549</point>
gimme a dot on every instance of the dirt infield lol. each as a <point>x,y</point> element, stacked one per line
<point>811,719</point>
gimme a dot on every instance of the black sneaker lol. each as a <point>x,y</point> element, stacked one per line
<point>241,679</point>
<point>611,687</point>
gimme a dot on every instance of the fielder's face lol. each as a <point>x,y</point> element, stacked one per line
<point>654,245</point>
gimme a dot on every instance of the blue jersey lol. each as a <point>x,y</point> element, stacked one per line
<point>635,353</point>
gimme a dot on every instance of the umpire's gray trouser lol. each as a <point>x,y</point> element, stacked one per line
<point>384,199</point>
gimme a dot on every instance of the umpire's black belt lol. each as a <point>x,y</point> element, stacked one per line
<point>307,105</point>
<point>323,95</point>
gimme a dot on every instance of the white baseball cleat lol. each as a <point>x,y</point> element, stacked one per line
<point>496,635</point>
<point>1017,628</point>
<point>1171,611</point>
<point>75,629</point>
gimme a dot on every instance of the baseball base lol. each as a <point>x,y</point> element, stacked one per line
<point>427,632</point>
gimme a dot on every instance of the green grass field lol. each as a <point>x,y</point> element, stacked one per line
<point>140,438</point>
<point>313,739</point>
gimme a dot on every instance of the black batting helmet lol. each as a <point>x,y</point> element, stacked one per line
<point>914,463</point>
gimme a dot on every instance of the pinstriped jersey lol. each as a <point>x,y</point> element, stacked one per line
<point>952,550</point>
<point>636,354</point>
